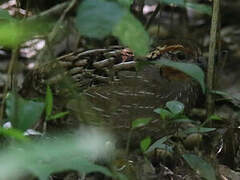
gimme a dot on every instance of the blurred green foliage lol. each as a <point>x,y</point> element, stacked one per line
<point>56,154</point>
<point>22,113</point>
<point>203,168</point>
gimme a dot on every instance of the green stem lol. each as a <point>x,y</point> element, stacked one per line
<point>212,48</point>
<point>128,141</point>
<point>10,81</point>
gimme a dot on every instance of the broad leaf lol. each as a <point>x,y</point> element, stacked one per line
<point>132,34</point>
<point>145,144</point>
<point>13,33</point>
<point>58,115</point>
<point>203,168</point>
<point>140,122</point>
<point>215,117</point>
<point>97,18</point>
<point>4,15</point>
<point>160,144</point>
<point>125,3</point>
<point>199,130</point>
<point>232,98</point>
<point>163,113</point>
<point>175,107</point>
<point>14,133</point>
<point>60,153</point>
<point>190,69</point>
<point>22,113</point>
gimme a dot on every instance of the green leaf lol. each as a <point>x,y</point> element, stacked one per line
<point>4,15</point>
<point>140,122</point>
<point>215,117</point>
<point>13,33</point>
<point>163,113</point>
<point>190,69</point>
<point>48,102</point>
<point>159,144</point>
<point>221,93</point>
<point>125,3</point>
<point>232,98</point>
<point>202,8</point>
<point>14,133</point>
<point>184,120</point>
<point>175,107</point>
<point>22,113</point>
<point>203,168</point>
<point>145,143</point>
<point>56,154</point>
<point>97,18</point>
<point>58,115</point>
<point>199,130</point>
<point>132,34</point>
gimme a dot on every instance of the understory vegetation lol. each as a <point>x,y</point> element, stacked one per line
<point>81,97</point>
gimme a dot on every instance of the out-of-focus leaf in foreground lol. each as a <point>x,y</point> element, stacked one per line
<point>22,113</point>
<point>75,152</point>
<point>5,16</point>
<point>13,33</point>
<point>203,168</point>
<point>97,18</point>
<point>132,34</point>
<point>13,133</point>
<point>125,3</point>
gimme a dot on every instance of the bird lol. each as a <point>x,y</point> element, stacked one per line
<point>113,92</point>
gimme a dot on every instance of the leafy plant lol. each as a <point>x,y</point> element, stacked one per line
<point>140,122</point>
<point>160,144</point>
<point>22,113</point>
<point>49,107</point>
<point>173,110</point>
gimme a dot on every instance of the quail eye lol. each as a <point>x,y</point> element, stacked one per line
<point>180,55</point>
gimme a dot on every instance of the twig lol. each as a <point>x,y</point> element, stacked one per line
<point>154,14</point>
<point>56,10</point>
<point>212,48</point>
<point>59,22</point>
<point>54,31</point>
